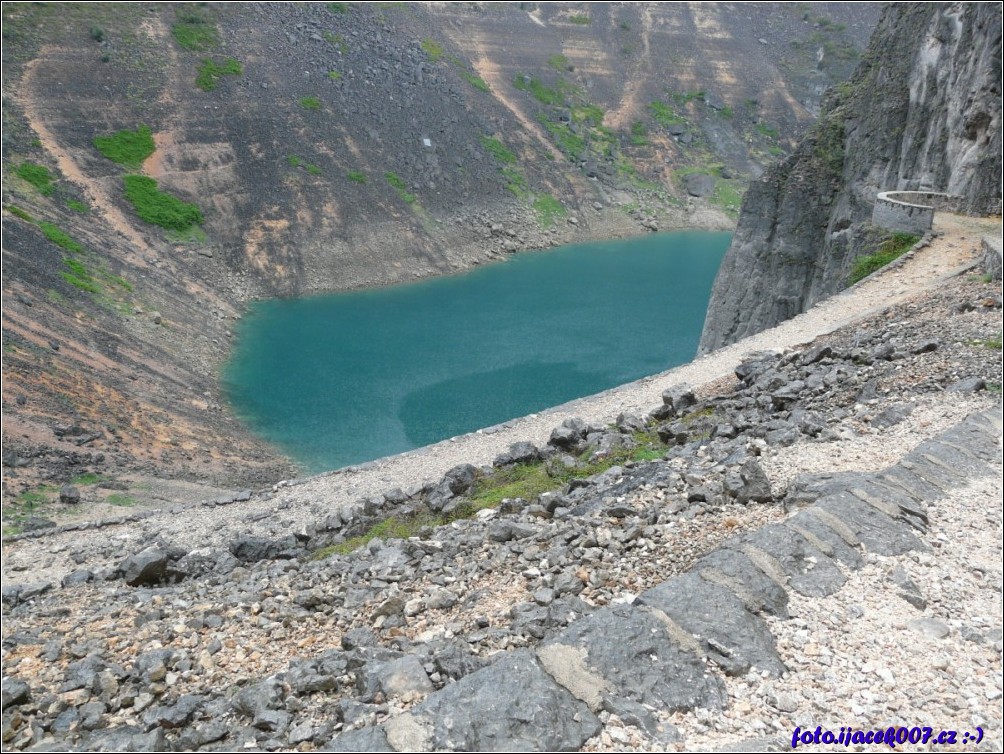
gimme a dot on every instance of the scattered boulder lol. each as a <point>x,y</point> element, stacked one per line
<point>145,568</point>
<point>69,495</point>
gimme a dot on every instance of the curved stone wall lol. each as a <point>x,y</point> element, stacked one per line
<point>912,211</point>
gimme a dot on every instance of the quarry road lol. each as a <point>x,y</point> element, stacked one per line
<point>954,249</point>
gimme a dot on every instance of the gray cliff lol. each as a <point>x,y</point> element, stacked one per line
<point>921,112</point>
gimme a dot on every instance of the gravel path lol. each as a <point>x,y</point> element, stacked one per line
<point>950,253</point>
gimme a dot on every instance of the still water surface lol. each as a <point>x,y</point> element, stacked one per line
<point>343,378</point>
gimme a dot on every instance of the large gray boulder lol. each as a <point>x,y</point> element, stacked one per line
<point>145,568</point>
<point>631,652</point>
<point>732,636</point>
<point>512,705</point>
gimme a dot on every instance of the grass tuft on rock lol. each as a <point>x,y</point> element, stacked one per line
<point>890,249</point>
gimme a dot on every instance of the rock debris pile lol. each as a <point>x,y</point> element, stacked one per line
<point>653,584</point>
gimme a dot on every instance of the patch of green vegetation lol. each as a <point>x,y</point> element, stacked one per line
<point>79,276</point>
<point>87,478</point>
<point>120,500</point>
<point>58,237</point>
<point>310,103</point>
<point>356,176</point>
<point>526,481</point>
<point>159,208</point>
<point>994,344</point>
<point>78,206</point>
<point>591,114</point>
<point>313,169</point>
<point>559,63</point>
<point>337,40</point>
<point>544,94</point>
<point>568,141</point>
<point>548,209</point>
<point>476,81</point>
<point>129,148</point>
<point>18,212</point>
<point>193,235</point>
<point>498,150</point>
<point>639,134</point>
<point>682,98</point>
<point>400,186</point>
<point>338,7</point>
<point>727,196</point>
<point>890,249</point>
<point>664,114</point>
<point>580,19</point>
<point>335,75</point>
<point>766,130</point>
<point>827,136</point>
<point>432,49</point>
<point>726,112</point>
<point>193,31</point>
<point>515,182</point>
<point>38,176</point>
<point>624,26</point>
<point>97,34</point>
<point>211,71</point>
<point>294,161</point>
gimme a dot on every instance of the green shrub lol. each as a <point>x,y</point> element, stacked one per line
<point>38,176</point>
<point>313,170</point>
<point>159,208</point>
<point>663,114</point>
<point>476,81</point>
<point>210,72</point>
<point>890,249</point>
<point>337,40</point>
<point>77,206</point>
<point>559,63</point>
<point>18,212</point>
<point>544,94</point>
<point>58,237</point>
<point>548,209</point>
<point>97,34</point>
<point>338,7</point>
<point>569,142</point>
<point>195,36</point>
<point>310,103</point>
<point>591,114</point>
<point>294,161</point>
<point>400,186</point>
<point>335,75</point>
<point>639,132</point>
<point>515,182</point>
<point>581,20</point>
<point>356,176</point>
<point>129,148</point>
<point>79,277</point>
<point>766,130</point>
<point>498,150</point>
<point>433,49</point>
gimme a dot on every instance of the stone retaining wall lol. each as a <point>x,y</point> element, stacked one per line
<point>992,256</point>
<point>912,211</point>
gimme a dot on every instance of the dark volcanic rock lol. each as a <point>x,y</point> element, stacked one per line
<point>512,705</point>
<point>145,568</point>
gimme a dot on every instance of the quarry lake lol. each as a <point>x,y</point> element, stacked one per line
<point>344,378</point>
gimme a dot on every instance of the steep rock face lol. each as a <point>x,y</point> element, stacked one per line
<point>922,112</point>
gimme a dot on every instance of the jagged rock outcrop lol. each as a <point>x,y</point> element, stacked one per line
<point>922,112</point>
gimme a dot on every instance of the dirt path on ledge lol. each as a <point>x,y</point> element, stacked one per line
<point>956,250</point>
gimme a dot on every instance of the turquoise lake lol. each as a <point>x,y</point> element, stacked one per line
<point>344,378</point>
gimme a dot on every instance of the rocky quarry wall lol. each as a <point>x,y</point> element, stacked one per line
<point>922,113</point>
